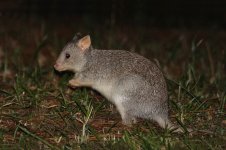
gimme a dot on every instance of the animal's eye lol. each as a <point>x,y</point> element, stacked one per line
<point>67,55</point>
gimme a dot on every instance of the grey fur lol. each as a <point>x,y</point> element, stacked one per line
<point>132,82</point>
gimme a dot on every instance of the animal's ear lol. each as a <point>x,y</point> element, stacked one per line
<point>84,43</point>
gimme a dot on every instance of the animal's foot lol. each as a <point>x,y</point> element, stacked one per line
<point>129,121</point>
<point>74,83</point>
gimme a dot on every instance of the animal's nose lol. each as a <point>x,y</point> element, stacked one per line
<point>56,66</point>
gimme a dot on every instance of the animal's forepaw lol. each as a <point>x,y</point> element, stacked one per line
<point>74,83</point>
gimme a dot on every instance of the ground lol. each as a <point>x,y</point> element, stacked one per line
<point>39,111</point>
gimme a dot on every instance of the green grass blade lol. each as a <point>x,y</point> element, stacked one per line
<point>37,137</point>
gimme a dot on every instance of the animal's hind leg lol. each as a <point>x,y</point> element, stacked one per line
<point>162,122</point>
<point>125,97</point>
<point>127,119</point>
<point>165,123</point>
<point>126,115</point>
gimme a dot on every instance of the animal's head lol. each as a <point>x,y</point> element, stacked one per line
<point>72,57</point>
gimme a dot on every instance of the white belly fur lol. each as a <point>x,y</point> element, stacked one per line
<point>104,89</point>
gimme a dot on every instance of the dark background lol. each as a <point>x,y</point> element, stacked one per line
<point>167,13</point>
<point>164,29</point>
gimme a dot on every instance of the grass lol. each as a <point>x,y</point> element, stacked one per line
<point>39,111</point>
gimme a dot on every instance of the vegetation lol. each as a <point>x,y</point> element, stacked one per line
<point>39,111</point>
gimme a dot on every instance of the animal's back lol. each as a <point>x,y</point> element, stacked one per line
<point>110,64</point>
